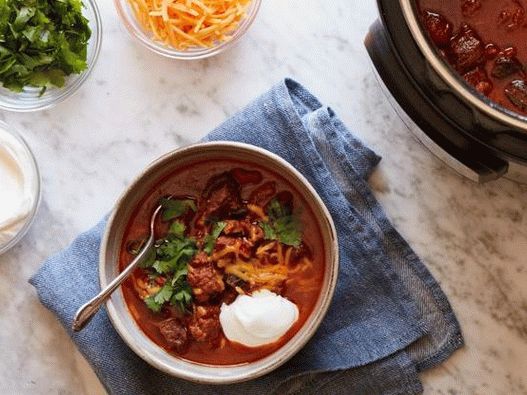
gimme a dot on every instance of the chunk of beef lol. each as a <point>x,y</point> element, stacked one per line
<point>200,259</point>
<point>246,176</point>
<point>439,28</point>
<point>478,79</point>
<point>470,7</point>
<point>512,18</point>
<point>222,196</point>
<point>466,49</point>
<point>516,92</point>
<point>229,296</point>
<point>491,51</point>
<point>204,324</point>
<point>235,281</point>
<point>204,278</point>
<point>244,228</point>
<point>175,333</point>
<point>263,194</point>
<point>505,66</point>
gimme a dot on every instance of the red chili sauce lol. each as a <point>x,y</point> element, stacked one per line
<point>485,41</point>
<point>240,197</point>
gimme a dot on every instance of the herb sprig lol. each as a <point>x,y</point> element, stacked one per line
<point>171,258</point>
<point>282,225</point>
<point>175,208</point>
<point>210,239</point>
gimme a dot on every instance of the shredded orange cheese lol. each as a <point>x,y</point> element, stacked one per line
<point>268,276</point>
<point>257,210</point>
<point>183,24</point>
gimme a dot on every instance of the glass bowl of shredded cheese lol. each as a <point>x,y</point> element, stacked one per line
<point>187,29</point>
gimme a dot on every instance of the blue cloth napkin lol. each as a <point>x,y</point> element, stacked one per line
<point>389,319</point>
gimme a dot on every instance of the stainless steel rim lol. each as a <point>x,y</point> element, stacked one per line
<point>480,102</point>
<point>272,361</point>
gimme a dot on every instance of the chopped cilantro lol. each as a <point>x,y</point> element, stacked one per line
<point>176,291</point>
<point>176,208</point>
<point>269,232</point>
<point>149,260</point>
<point>177,229</point>
<point>41,42</point>
<point>152,304</point>
<point>164,294</point>
<point>210,239</point>
<point>182,298</point>
<point>174,254</point>
<point>179,275</point>
<point>282,226</point>
<point>171,257</point>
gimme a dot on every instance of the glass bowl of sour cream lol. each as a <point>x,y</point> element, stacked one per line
<point>19,187</point>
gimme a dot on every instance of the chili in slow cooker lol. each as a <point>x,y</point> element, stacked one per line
<point>484,41</point>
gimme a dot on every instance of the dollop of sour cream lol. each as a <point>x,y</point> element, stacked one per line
<point>17,186</point>
<point>259,319</point>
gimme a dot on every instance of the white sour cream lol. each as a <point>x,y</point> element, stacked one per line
<point>17,186</point>
<point>262,318</point>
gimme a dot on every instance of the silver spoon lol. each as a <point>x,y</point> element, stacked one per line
<point>88,310</point>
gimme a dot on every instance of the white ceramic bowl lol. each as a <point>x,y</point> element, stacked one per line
<point>123,321</point>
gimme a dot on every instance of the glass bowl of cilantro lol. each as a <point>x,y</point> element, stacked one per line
<point>47,50</point>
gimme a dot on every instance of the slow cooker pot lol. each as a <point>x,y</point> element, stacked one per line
<point>478,138</point>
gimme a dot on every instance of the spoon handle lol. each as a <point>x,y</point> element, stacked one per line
<point>86,312</point>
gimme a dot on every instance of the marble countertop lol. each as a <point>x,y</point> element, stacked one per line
<point>136,106</point>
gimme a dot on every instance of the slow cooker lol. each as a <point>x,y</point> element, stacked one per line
<point>475,136</point>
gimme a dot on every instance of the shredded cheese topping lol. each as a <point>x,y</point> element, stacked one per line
<point>268,269</point>
<point>184,24</point>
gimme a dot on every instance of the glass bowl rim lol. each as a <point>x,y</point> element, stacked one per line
<point>68,90</point>
<point>4,127</point>
<point>172,53</point>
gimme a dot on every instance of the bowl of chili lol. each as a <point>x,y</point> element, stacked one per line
<point>242,235</point>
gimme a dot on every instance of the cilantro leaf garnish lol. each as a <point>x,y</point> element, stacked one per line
<point>152,304</point>
<point>176,291</point>
<point>173,254</point>
<point>282,225</point>
<point>182,298</point>
<point>41,42</point>
<point>269,232</point>
<point>171,257</point>
<point>174,208</point>
<point>164,294</point>
<point>177,229</point>
<point>210,239</point>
